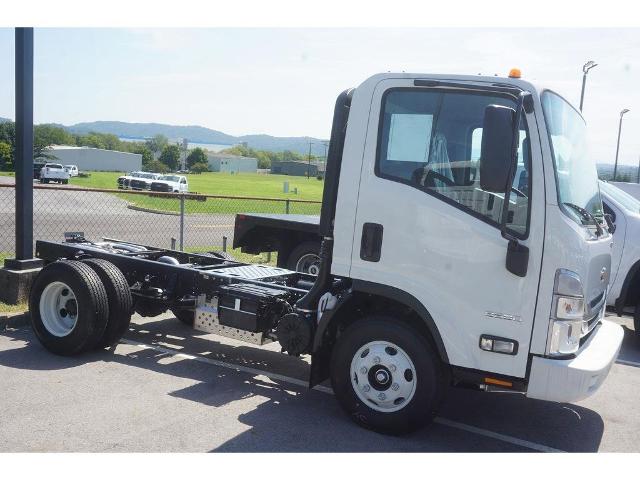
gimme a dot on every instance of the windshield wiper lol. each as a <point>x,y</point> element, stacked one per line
<point>586,214</point>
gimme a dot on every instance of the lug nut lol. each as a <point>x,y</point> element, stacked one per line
<point>395,387</point>
<point>363,370</point>
<point>392,368</point>
<point>376,359</point>
<point>382,396</point>
<point>366,388</point>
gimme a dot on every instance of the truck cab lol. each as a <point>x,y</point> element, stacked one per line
<point>509,281</point>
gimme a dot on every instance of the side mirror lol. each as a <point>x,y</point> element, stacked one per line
<point>496,150</point>
<point>611,225</point>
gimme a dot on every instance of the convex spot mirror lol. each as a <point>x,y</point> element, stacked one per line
<point>496,150</point>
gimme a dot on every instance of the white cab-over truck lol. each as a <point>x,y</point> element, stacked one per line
<point>427,277</point>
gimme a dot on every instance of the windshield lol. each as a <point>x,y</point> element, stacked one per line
<point>576,175</point>
<point>621,197</point>
<point>171,178</point>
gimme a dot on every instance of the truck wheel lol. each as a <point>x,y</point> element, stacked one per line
<point>65,182</point>
<point>185,316</point>
<point>69,309</point>
<point>119,298</point>
<point>386,375</point>
<point>44,180</point>
<point>305,258</point>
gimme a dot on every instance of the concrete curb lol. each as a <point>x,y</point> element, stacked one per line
<point>13,320</point>
<point>150,210</point>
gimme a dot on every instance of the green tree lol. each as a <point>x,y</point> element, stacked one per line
<point>200,167</point>
<point>197,155</point>
<point>48,134</point>
<point>170,156</point>
<point>156,166</point>
<point>157,144</point>
<point>6,156</point>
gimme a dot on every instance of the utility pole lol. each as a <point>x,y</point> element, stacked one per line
<point>585,70</point>
<point>615,167</point>
<point>309,161</point>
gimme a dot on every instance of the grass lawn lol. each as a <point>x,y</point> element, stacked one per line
<point>237,185</point>
<point>243,184</point>
<point>225,184</point>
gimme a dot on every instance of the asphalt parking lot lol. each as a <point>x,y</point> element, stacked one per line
<point>166,387</point>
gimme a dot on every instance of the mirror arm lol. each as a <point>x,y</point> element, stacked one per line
<point>514,160</point>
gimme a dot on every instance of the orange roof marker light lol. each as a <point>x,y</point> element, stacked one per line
<point>515,73</point>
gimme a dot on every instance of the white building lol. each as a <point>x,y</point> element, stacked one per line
<point>96,159</point>
<point>224,162</point>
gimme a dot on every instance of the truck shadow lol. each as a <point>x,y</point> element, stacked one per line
<point>290,418</point>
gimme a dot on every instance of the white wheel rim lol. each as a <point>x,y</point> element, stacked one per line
<point>309,263</point>
<point>58,309</point>
<point>383,376</point>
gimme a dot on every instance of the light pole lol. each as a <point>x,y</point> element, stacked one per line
<point>615,167</point>
<point>585,69</point>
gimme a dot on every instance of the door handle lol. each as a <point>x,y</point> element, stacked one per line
<point>371,242</point>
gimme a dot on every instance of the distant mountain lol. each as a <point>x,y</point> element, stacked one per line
<point>197,134</point>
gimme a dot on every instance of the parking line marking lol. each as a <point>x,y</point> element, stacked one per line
<point>628,363</point>
<point>321,388</point>
<point>498,436</point>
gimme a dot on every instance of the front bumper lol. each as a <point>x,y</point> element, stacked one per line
<point>577,378</point>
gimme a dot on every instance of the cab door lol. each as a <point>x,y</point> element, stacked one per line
<point>424,225</point>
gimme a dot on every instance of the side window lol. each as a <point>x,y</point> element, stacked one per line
<point>431,140</point>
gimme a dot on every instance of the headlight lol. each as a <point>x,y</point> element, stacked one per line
<point>567,314</point>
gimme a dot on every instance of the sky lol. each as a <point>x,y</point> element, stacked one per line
<point>284,81</point>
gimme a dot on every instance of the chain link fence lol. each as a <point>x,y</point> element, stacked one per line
<point>192,222</point>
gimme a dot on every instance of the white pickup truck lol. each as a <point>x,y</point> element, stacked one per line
<point>54,172</point>
<point>624,286</point>
<point>170,183</point>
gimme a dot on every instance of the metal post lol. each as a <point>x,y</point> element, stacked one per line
<point>181,223</point>
<point>24,143</point>
<point>286,206</point>
<point>173,243</point>
<point>224,243</point>
<point>309,161</point>
<point>24,151</point>
<point>615,167</point>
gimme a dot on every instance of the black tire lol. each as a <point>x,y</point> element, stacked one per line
<point>119,298</point>
<point>302,250</point>
<point>65,182</point>
<point>185,316</point>
<point>44,180</point>
<point>430,377</point>
<point>91,305</point>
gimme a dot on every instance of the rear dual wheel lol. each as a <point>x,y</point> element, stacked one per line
<point>78,306</point>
